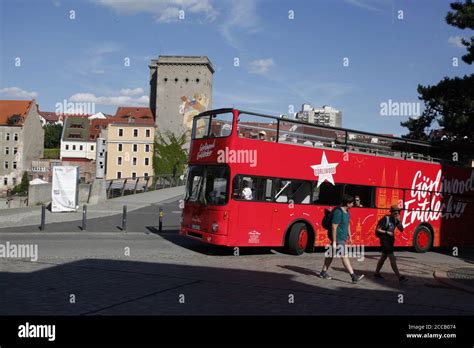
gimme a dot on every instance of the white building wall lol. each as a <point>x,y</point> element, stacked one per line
<point>88,149</point>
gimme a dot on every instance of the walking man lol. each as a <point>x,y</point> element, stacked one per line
<point>386,233</point>
<point>340,232</point>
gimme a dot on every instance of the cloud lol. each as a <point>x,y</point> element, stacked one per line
<point>261,66</point>
<point>18,92</point>
<point>456,41</point>
<point>130,92</point>
<point>125,98</point>
<point>242,18</point>
<point>162,10</point>
<point>371,5</point>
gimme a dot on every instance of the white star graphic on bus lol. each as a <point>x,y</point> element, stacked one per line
<point>325,170</point>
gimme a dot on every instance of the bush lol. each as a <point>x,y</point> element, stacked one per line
<point>52,153</point>
<point>22,188</point>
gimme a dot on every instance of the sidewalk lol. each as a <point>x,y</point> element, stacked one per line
<point>32,215</point>
<point>460,278</point>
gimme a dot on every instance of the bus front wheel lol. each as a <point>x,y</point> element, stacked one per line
<point>422,239</point>
<point>298,240</point>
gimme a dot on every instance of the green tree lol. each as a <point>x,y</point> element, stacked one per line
<point>52,136</point>
<point>169,153</point>
<point>22,188</point>
<point>463,18</point>
<point>450,103</point>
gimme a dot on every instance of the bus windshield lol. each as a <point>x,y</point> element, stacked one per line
<point>208,185</point>
<point>212,126</point>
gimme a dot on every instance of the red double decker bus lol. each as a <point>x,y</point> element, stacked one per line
<point>258,180</point>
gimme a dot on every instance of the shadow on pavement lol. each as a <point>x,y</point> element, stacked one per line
<point>118,287</point>
<point>173,236</point>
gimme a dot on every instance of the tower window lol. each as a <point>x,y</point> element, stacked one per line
<point>197,80</point>
<point>176,80</point>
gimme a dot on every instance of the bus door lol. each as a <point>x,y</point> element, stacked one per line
<point>292,200</point>
<point>254,208</point>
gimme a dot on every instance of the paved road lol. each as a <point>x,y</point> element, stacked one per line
<point>146,272</point>
<point>31,216</point>
<point>138,220</point>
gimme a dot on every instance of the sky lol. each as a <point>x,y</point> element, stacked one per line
<point>353,55</point>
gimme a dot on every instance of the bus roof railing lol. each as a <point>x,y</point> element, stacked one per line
<point>407,151</point>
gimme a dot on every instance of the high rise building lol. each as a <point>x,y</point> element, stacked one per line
<point>326,116</point>
<point>180,88</point>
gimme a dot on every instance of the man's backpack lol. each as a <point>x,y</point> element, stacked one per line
<point>327,220</point>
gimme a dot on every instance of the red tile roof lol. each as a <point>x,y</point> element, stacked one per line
<point>9,108</point>
<point>140,115</point>
<point>50,116</point>
<point>95,126</point>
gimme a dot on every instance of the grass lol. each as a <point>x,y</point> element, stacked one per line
<point>51,153</point>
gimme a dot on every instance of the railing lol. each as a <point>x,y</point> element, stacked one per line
<point>129,186</point>
<point>295,133</point>
<point>13,201</point>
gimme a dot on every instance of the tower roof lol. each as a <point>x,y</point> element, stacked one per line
<point>182,60</point>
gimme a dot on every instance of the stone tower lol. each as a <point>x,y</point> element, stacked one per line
<point>180,88</point>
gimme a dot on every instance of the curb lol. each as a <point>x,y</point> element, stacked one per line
<point>442,277</point>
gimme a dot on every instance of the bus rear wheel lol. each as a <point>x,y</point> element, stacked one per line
<point>422,239</point>
<point>298,239</point>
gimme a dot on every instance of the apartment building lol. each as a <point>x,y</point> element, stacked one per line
<point>21,140</point>
<point>129,149</point>
<point>325,116</point>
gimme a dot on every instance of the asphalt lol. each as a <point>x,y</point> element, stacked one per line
<point>29,219</point>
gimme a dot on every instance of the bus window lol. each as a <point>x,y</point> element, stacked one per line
<point>194,183</point>
<point>207,184</point>
<point>268,190</point>
<point>216,185</point>
<point>243,188</point>
<point>292,191</point>
<point>365,194</point>
<point>221,125</point>
<point>256,127</point>
<point>212,126</point>
<point>327,194</point>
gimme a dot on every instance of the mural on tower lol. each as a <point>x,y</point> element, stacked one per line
<point>192,106</point>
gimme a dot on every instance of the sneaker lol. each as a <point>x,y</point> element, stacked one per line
<point>378,276</point>
<point>357,278</point>
<point>324,275</point>
<point>402,279</point>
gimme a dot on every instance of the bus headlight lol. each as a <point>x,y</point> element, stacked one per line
<point>215,227</point>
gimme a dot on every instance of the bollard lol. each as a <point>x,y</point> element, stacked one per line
<point>43,216</point>
<point>84,217</point>
<point>124,218</point>
<point>160,224</point>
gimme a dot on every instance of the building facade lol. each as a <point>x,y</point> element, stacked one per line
<point>75,140</point>
<point>129,150</point>
<point>325,116</point>
<point>21,140</point>
<point>180,88</point>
